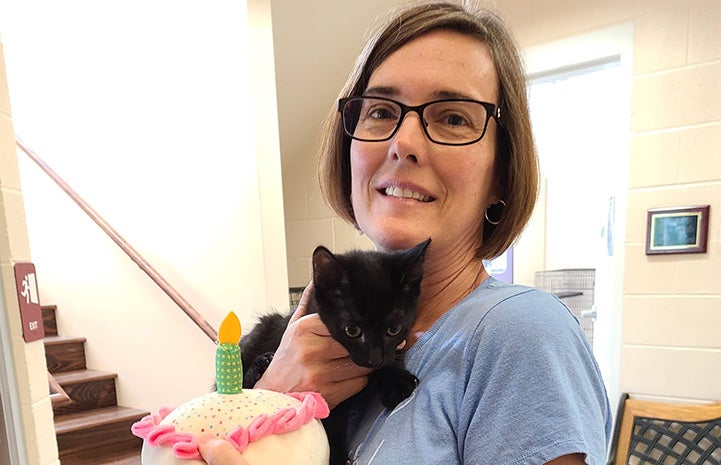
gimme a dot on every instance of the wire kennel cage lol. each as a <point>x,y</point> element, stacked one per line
<point>294,294</point>
<point>575,288</point>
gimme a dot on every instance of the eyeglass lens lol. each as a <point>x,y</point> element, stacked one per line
<point>444,121</point>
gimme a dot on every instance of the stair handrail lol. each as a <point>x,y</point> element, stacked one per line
<point>122,243</point>
<point>58,396</point>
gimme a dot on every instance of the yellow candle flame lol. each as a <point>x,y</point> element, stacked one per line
<point>230,329</point>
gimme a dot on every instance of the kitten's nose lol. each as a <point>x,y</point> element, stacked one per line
<point>375,358</point>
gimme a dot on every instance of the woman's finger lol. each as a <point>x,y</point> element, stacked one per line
<point>220,452</point>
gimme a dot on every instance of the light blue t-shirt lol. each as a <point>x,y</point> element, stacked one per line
<point>506,377</point>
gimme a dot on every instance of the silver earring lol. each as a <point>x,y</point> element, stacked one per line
<point>498,205</point>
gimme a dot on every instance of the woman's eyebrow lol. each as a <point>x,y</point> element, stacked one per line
<point>387,91</point>
<point>441,94</point>
<point>384,91</point>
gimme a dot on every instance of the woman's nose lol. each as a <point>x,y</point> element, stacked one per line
<point>412,122</point>
<point>409,138</point>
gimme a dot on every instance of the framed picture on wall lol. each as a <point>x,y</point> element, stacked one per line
<point>677,230</point>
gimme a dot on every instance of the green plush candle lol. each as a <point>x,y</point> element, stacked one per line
<point>228,365</point>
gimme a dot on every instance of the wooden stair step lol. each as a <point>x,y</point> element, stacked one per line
<point>69,378</point>
<point>91,429</point>
<point>97,433</point>
<point>119,458</point>
<point>64,353</point>
<point>50,322</point>
<point>124,453</point>
<point>79,421</point>
<point>87,389</point>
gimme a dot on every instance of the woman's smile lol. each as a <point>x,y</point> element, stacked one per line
<point>405,191</point>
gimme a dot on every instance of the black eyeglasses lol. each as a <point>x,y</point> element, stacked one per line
<point>447,121</point>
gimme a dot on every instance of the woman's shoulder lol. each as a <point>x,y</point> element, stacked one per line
<point>498,311</point>
<point>496,299</point>
<point>511,310</point>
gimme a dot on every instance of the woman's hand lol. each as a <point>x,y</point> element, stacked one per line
<point>309,359</point>
<point>220,452</point>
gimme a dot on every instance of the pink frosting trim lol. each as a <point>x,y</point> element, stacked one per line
<point>185,445</point>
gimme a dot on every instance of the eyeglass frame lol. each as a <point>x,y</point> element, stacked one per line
<point>492,111</point>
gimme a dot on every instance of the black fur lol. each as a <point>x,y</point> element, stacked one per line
<point>368,302</point>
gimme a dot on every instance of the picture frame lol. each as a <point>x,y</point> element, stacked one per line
<point>677,230</point>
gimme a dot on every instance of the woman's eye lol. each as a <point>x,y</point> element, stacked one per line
<point>456,120</point>
<point>394,330</point>
<point>380,113</point>
<point>352,331</point>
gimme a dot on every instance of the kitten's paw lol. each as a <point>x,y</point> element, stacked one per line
<point>394,393</point>
<point>256,369</point>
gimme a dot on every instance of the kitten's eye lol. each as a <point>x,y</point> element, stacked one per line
<point>394,330</point>
<point>352,331</point>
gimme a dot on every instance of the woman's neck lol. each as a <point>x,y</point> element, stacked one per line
<point>445,283</point>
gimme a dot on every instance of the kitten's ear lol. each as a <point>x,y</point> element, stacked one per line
<point>327,272</point>
<point>417,253</point>
<point>414,262</point>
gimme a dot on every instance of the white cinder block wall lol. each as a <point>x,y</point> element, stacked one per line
<point>30,405</point>
<point>671,344</point>
<point>671,319</point>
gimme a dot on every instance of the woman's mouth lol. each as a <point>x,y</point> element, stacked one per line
<point>393,191</point>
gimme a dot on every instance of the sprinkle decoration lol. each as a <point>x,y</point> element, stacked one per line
<point>228,365</point>
<point>185,445</point>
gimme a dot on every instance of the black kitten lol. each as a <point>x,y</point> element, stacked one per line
<point>368,302</point>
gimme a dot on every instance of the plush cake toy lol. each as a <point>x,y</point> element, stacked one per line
<point>267,427</point>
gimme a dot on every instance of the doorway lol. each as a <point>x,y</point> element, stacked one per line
<point>579,96</point>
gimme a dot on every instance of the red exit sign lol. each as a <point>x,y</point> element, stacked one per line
<point>31,314</point>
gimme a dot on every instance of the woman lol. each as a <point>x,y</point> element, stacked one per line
<point>432,139</point>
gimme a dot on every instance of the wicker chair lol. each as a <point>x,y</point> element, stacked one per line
<point>666,434</point>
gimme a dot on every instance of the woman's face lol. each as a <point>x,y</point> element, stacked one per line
<point>455,183</point>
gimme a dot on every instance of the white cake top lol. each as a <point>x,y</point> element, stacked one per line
<point>266,426</point>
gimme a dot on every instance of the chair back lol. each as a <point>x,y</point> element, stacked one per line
<point>660,433</point>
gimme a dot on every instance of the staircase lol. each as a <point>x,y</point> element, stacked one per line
<point>91,428</point>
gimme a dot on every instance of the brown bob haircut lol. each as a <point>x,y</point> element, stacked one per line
<point>516,162</point>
